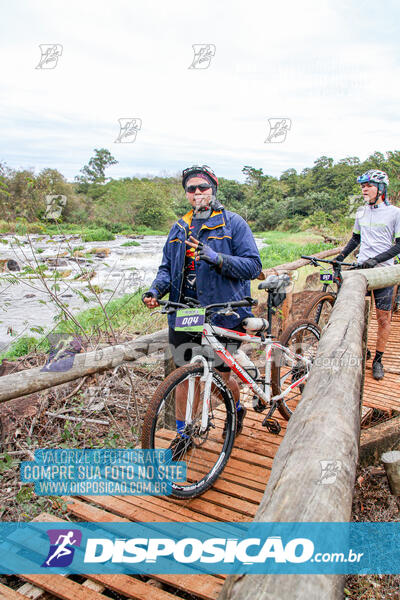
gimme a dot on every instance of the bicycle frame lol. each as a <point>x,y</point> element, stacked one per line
<point>209,339</point>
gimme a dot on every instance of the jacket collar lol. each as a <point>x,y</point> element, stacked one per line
<point>216,219</point>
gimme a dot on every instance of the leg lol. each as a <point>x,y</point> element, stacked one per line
<point>183,346</point>
<point>233,385</point>
<point>240,410</point>
<point>383,305</point>
<point>181,400</point>
<point>383,318</point>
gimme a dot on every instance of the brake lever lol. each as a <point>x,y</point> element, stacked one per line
<point>228,312</point>
<point>164,311</point>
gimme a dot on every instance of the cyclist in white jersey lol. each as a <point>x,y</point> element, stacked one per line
<point>376,226</point>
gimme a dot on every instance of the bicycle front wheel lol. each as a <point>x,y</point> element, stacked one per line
<point>320,308</point>
<point>302,338</point>
<point>205,451</point>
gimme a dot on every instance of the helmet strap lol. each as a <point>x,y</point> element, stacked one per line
<point>374,203</point>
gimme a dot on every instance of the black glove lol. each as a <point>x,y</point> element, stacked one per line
<point>340,258</point>
<point>206,253</point>
<point>370,263</point>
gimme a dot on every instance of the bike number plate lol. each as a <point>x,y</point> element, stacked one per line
<point>190,319</point>
<point>325,275</point>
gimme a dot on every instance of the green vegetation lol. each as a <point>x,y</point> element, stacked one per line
<point>280,253</point>
<point>322,196</point>
<point>128,313</point>
<point>127,310</point>
<point>98,235</point>
<point>143,230</point>
<point>132,243</point>
<point>25,345</point>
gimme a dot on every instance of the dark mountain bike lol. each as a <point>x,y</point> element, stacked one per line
<point>319,309</point>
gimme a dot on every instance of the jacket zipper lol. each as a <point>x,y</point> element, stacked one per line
<point>183,267</point>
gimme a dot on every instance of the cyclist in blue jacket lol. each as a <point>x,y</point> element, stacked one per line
<point>210,255</point>
<point>376,226</point>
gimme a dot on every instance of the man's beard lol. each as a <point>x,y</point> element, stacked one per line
<point>202,204</point>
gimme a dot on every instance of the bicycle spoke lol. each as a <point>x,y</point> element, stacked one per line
<point>204,452</point>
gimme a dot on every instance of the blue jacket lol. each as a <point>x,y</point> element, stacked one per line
<point>227,233</point>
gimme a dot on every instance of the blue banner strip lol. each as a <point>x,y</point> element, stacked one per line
<point>213,547</point>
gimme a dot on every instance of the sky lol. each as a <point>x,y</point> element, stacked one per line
<point>331,68</point>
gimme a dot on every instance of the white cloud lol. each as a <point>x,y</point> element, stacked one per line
<point>323,65</point>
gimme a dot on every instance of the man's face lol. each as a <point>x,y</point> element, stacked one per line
<point>198,198</point>
<point>369,192</point>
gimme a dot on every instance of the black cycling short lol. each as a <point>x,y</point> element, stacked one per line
<point>184,345</point>
<point>383,298</point>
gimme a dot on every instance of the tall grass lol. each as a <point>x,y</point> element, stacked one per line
<point>280,253</point>
<point>98,235</point>
<point>128,313</point>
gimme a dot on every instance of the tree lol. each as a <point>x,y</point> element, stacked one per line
<point>93,177</point>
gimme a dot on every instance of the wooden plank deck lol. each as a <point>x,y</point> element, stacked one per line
<point>234,497</point>
<point>384,394</point>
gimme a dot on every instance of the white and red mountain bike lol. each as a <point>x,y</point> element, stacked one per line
<point>209,410</point>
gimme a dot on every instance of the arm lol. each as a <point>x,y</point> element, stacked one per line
<point>244,262</point>
<point>393,251</point>
<point>350,246</point>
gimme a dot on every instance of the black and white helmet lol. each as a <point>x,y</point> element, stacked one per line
<point>378,178</point>
<point>374,176</point>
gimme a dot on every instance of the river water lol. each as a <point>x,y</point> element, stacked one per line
<point>118,270</point>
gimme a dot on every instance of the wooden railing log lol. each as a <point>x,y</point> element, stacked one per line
<point>33,380</point>
<point>313,472</point>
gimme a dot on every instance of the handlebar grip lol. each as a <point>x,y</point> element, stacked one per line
<point>245,302</point>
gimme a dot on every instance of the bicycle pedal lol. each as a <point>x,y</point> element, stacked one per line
<point>272,425</point>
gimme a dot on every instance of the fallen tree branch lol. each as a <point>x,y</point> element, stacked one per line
<point>77,419</point>
<point>33,380</point>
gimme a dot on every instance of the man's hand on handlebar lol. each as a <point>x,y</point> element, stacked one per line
<point>170,307</point>
<point>150,300</point>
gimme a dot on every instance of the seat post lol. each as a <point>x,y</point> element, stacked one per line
<point>269,313</point>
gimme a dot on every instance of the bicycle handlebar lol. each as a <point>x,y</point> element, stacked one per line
<point>316,260</point>
<point>248,301</point>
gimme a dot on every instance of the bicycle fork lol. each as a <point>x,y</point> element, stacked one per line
<point>207,378</point>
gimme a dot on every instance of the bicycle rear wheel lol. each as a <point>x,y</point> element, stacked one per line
<point>319,309</point>
<point>301,337</point>
<point>207,452</point>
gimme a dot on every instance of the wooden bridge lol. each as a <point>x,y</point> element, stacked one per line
<point>384,395</point>
<point>236,496</point>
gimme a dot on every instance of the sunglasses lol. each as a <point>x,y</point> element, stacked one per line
<point>202,187</point>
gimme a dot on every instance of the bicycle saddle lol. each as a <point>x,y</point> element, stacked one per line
<point>254,324</point>
<point>275,282</point>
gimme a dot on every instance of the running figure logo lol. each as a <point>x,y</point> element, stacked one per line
<point>54,206</point>
<point>278,129</point>
<point>50,55</point>
<point>329,471</point>
<point>61,553</point>
<point>128,129</point>
<point>203,54</point>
